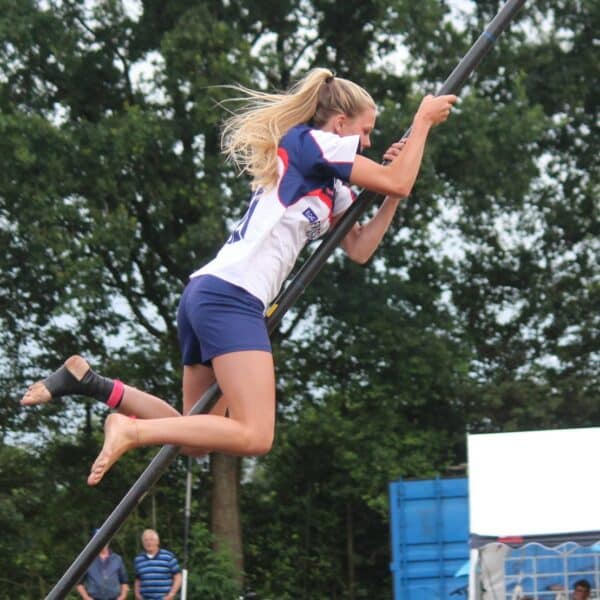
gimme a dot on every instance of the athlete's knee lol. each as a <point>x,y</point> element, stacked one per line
<point>260,443</point>
<point>193,452</point>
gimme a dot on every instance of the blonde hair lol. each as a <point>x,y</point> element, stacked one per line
<point>251,135</point>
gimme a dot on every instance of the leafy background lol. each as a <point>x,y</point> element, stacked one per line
<point>479,312</point>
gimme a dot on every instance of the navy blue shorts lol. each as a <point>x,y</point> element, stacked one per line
<point>216,317</point>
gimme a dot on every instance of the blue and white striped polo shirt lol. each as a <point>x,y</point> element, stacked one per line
<point>156,573</point>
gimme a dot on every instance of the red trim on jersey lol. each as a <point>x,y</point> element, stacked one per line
<point>323,197</point>
<point>283,155</point>
<point>285,159</point>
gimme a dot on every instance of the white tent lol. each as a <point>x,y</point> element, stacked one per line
<point>534,487</point>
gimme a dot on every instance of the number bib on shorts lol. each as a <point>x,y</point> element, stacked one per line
<point>310,191</point>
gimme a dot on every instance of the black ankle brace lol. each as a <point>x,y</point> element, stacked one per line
<point>63,383</point>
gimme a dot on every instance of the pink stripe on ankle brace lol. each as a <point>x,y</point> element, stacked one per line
<point>116,395</point>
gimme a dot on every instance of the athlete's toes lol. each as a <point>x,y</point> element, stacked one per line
<point>36,394</point>
<point>98,469</point>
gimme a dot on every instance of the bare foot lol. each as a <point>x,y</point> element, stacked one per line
<point>38,393</point>
<point>120,435</point>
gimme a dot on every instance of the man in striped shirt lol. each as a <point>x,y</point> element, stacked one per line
<point>157,572</point>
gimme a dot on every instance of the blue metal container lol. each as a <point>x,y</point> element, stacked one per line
<point>430,538</point>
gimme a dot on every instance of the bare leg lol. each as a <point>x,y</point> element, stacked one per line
<point>145,406</point>
<point>196,381</point>
<point>246,379</point>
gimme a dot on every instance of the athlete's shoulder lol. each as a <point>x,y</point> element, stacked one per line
<point>295,137</point>
<point>307,134</point>
<point>312,142</point>
<point>336,148</point>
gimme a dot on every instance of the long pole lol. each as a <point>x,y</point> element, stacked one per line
<point>186,529</point>
<point>305,275</point>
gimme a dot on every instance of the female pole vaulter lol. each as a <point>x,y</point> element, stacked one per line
<point>302,149</point>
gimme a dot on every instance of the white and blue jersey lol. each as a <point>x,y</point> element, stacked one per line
<point>313,168</point>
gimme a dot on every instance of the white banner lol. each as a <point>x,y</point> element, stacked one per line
<point>534,482</point>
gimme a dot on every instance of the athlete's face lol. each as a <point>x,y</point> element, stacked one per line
<point>361,125</point>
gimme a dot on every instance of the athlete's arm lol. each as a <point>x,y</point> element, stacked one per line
<point>398,177</point>
<point>362,240</point>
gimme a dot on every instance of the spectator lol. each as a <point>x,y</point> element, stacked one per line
<point>157,572</point>
<point>106,579</point>
<point>582,590</point>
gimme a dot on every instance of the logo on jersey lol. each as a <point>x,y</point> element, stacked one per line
<point>310,215</point>
<point>313,230</point>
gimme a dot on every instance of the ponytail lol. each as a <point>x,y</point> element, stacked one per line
<point>250,137</point>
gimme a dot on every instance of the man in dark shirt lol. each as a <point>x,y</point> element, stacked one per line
<point>106,579</point>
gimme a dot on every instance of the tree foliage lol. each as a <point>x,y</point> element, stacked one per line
<point>478,313</point>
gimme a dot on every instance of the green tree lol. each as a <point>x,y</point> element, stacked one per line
<point>112,189</point>
<point>478,313</point>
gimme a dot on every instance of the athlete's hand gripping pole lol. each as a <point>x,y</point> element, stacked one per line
<point>452,85</point>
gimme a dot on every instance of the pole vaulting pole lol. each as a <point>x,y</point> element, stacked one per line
<point>186,529</point>
<point>292,292</point>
